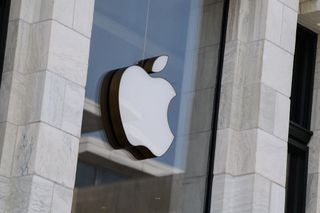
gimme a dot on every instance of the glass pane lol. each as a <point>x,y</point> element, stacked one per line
<point>124,33</point>
<point>86,175</point>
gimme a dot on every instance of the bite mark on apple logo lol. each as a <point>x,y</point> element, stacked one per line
<point>134,108</point>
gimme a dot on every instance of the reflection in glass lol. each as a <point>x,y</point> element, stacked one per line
<point>125,32</point>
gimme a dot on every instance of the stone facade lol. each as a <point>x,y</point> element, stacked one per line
<point>42,98</point>
<point>251,151</point>
<point>42,95</point>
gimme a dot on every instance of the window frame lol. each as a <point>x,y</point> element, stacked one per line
<point>300,120</point>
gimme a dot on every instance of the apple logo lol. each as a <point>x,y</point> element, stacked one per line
<point>134,108</point>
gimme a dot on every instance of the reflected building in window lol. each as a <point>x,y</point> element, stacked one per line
<point>123,35</point>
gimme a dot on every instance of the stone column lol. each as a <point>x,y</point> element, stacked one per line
<point>42,96</point>
<point>251,149</point>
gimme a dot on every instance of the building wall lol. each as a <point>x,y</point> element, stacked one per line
<point>42,95</point>
<point>251,152</point>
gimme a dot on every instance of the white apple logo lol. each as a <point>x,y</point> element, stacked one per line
<point>135,115</point>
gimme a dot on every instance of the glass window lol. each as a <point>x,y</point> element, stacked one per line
<point>88,174</point>
<point>124,33</point>
<point>300,119</point>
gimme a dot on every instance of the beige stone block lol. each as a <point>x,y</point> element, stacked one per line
<point>250,62</point>
<point>59,102</point>
<point>27,46</point>
<point>250,107</point>
<point>5,89</point>
<point>282,117</point>
<point>267,108</point>
<point>4,192</point>
<point>317,72</point>
<point>242,153</point>
<point>18,41</point>
<point>47,151</point>
<point>32,100</point>
<point>42,96</point>
<point>73,108</point>
<point>225,108</point>
<point>315,120</point>
<point>312,194</point>
<point>249,193</point>
<point>261,107</point>
<point>38,47</point>
<point>246,193</point>
<point>289,27</point>
<point>30,194</point>
<point>27,10</point>
<point>274,21</point>
<point>56,156</point>
<point>277,68</point>
<point>14,9</point>
<point>277,198</point>
<point>68,54</point>
<point>271,157</point>
<point>33,11</point>
<point>235,152</point>
<point>25,151</point>
<point>231,62</point>
<point>261,194</point>
<point>47,45</point>
<point>221,193</point>
<point>62,199</point>
<point>53,99</point>
<point>314,153</point>
<point>233,21</point>
<point>24,105</point>
<point>252,20</point>
<point>293,4</point>
<point>83,16</point>
<point>63,11</point>
<point>8,133</point>
<point>229,110</point>
<point>223,142</point>
<point>11,45</point>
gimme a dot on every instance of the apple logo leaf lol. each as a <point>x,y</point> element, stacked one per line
<point>134,108</point>
<point>155,64</point>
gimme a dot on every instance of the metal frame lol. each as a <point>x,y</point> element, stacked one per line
<point>216,103</point>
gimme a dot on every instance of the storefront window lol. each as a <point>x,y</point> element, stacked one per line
<point>124,33</point>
